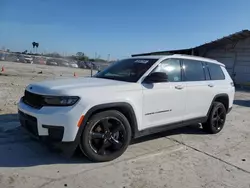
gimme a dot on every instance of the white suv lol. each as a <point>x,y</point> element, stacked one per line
<point>131,98</point>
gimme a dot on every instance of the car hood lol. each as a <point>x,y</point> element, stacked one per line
<point>66,86</point>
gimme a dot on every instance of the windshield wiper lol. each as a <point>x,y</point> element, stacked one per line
<point>106,77</point>
<point>115,78</point>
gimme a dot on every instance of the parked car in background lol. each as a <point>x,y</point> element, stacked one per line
<point>95,66</point>
<point>62,62</point>
<point>39,60</point>
<point>26,59</point>
<point>2,56</point>
<point>88,64</point>
<point>11,57</point>
<point>52,62</point>
<point>73,65</point>
<point>81,64</point>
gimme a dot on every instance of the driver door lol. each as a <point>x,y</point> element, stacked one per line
<point>164,102</point>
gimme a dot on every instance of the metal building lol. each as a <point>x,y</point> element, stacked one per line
<point>232,50</point>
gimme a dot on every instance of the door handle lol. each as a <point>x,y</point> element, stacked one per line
<point>210,85</point>
<point>179,87</point>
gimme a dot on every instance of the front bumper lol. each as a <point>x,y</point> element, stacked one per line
<point>57,124</point>
<point>55,133</point>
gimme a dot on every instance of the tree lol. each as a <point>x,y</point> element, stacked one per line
<point>83,58</point>
<point>35,45</point>
<point>79,54</point>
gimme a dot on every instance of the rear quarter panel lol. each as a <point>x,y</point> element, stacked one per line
<point>226,86</point>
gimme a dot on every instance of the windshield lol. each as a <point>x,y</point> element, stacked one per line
<point>128,70</point>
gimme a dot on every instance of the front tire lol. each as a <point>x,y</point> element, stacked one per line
<point>106,136</point>
<point>216,119</point>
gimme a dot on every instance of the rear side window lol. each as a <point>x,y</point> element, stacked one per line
<point>215,72</point>
<point>193,70</point>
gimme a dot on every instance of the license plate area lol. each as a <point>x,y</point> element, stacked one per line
<point>29,123</point>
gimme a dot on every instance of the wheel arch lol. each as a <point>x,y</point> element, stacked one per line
<point>125,108</point>
<point>223,98</point>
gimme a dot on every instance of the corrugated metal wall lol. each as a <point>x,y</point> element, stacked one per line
<point>236,58</point>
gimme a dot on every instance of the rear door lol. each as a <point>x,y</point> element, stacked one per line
<point>199,89</point>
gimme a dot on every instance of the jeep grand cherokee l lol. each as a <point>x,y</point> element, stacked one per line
<point>131,98</point>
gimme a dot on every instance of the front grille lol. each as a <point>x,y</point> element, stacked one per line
<point>33,100</point>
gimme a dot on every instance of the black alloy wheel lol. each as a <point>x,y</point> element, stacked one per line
<point>106,136</point>
<point>216,119</point>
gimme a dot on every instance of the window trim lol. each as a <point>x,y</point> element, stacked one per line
<point>182,71</point>
<point>205,67</point>
<point>208,70</point>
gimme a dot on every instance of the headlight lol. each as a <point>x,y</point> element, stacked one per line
<point>60,101</point>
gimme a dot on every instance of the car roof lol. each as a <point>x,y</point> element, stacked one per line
<point>180,56</point>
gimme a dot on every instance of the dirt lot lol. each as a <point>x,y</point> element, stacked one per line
<point>185,157</point>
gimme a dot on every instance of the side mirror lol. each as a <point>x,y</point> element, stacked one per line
<point>156,77</point>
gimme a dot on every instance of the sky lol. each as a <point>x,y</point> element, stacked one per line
<point>119,28</point>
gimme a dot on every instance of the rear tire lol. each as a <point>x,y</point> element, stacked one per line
<point>216,119</point>
<point>106,136</point>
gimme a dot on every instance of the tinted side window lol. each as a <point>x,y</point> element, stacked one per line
<point>193,70</point>
<point>172,68</point>
<point>215,72</point>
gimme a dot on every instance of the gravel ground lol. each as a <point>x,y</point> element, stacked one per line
<point>186,157</point>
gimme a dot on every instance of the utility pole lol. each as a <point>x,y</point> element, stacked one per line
<point>108,58</point>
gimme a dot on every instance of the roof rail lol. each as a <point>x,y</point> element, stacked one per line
<point>186,55</point>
